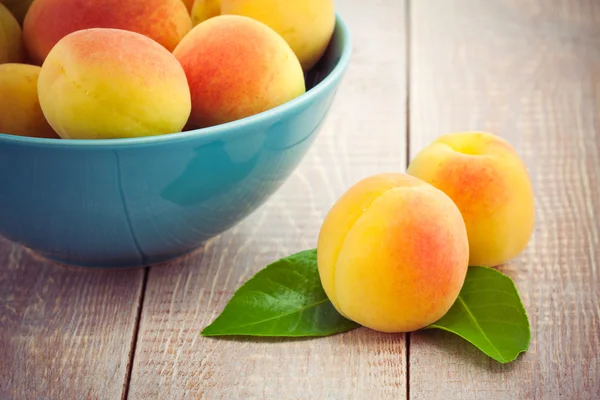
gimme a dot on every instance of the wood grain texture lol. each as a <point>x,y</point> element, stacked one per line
<point>364,134</point>
<point>528,70</point>
<point>65,333</point>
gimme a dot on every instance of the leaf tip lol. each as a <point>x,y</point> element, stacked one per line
<point>207,331</point>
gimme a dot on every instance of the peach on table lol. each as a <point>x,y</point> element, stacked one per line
<point>393,253</point>
<point>485,177</point>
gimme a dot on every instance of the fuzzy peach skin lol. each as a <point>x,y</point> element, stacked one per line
<point>489,183</point>
<point>205,9</point>
<point>237,67</point>
<point>48,21</point>
<point>306,25</point>
<point>393,253</point>
<point>11,38</point>
<point>110,83</point>
<point>20,112</point>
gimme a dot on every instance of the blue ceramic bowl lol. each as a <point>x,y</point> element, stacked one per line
<point>136,202</point>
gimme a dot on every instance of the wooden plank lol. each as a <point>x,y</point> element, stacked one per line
<point>65,333</point>
<point>528,70</point>
<point>364,134</point>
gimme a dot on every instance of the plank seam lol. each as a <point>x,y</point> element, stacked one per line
<point>135,336</point>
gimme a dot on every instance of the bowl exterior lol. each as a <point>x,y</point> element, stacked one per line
<point>136,205</point>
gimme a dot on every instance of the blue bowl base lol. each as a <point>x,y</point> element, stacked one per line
<point>162,259</point>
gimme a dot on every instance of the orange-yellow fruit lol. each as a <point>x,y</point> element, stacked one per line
<point>237,67</point>
<point>20,112</point>
<point>489,183</point>
<point>393,253</point>
<point>11,38</point>
<point>48,21</point>
<point>205,9</point>
<point>307,25</point>
<point>110,83</point>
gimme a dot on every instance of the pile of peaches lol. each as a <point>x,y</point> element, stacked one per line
<point>86,69</point>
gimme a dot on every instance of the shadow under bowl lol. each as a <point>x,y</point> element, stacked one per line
<point>126,203</point>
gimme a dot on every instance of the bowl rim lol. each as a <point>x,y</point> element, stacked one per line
<point>216,132</point>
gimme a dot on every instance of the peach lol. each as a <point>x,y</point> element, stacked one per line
<point>237,67</point>
<point>489,183</point>
<point>306,25</point>
<point>11,38</point>
<point>393,253</point>
<point>110,83</point>
<point>205,9</point>
<point>21,113</point>
<point>48,21</point>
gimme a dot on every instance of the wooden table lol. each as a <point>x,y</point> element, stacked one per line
<point>528,70</point>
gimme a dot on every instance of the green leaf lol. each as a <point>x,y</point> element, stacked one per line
<point>489,314</point>
<point>284,299</point>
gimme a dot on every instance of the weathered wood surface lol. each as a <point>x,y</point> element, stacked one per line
<point>364,134</point>
<point>65,333</point>
<point>528,70</point>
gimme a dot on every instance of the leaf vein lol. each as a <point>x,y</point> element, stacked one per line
<point>472,317</point>
<point>279,316</point>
